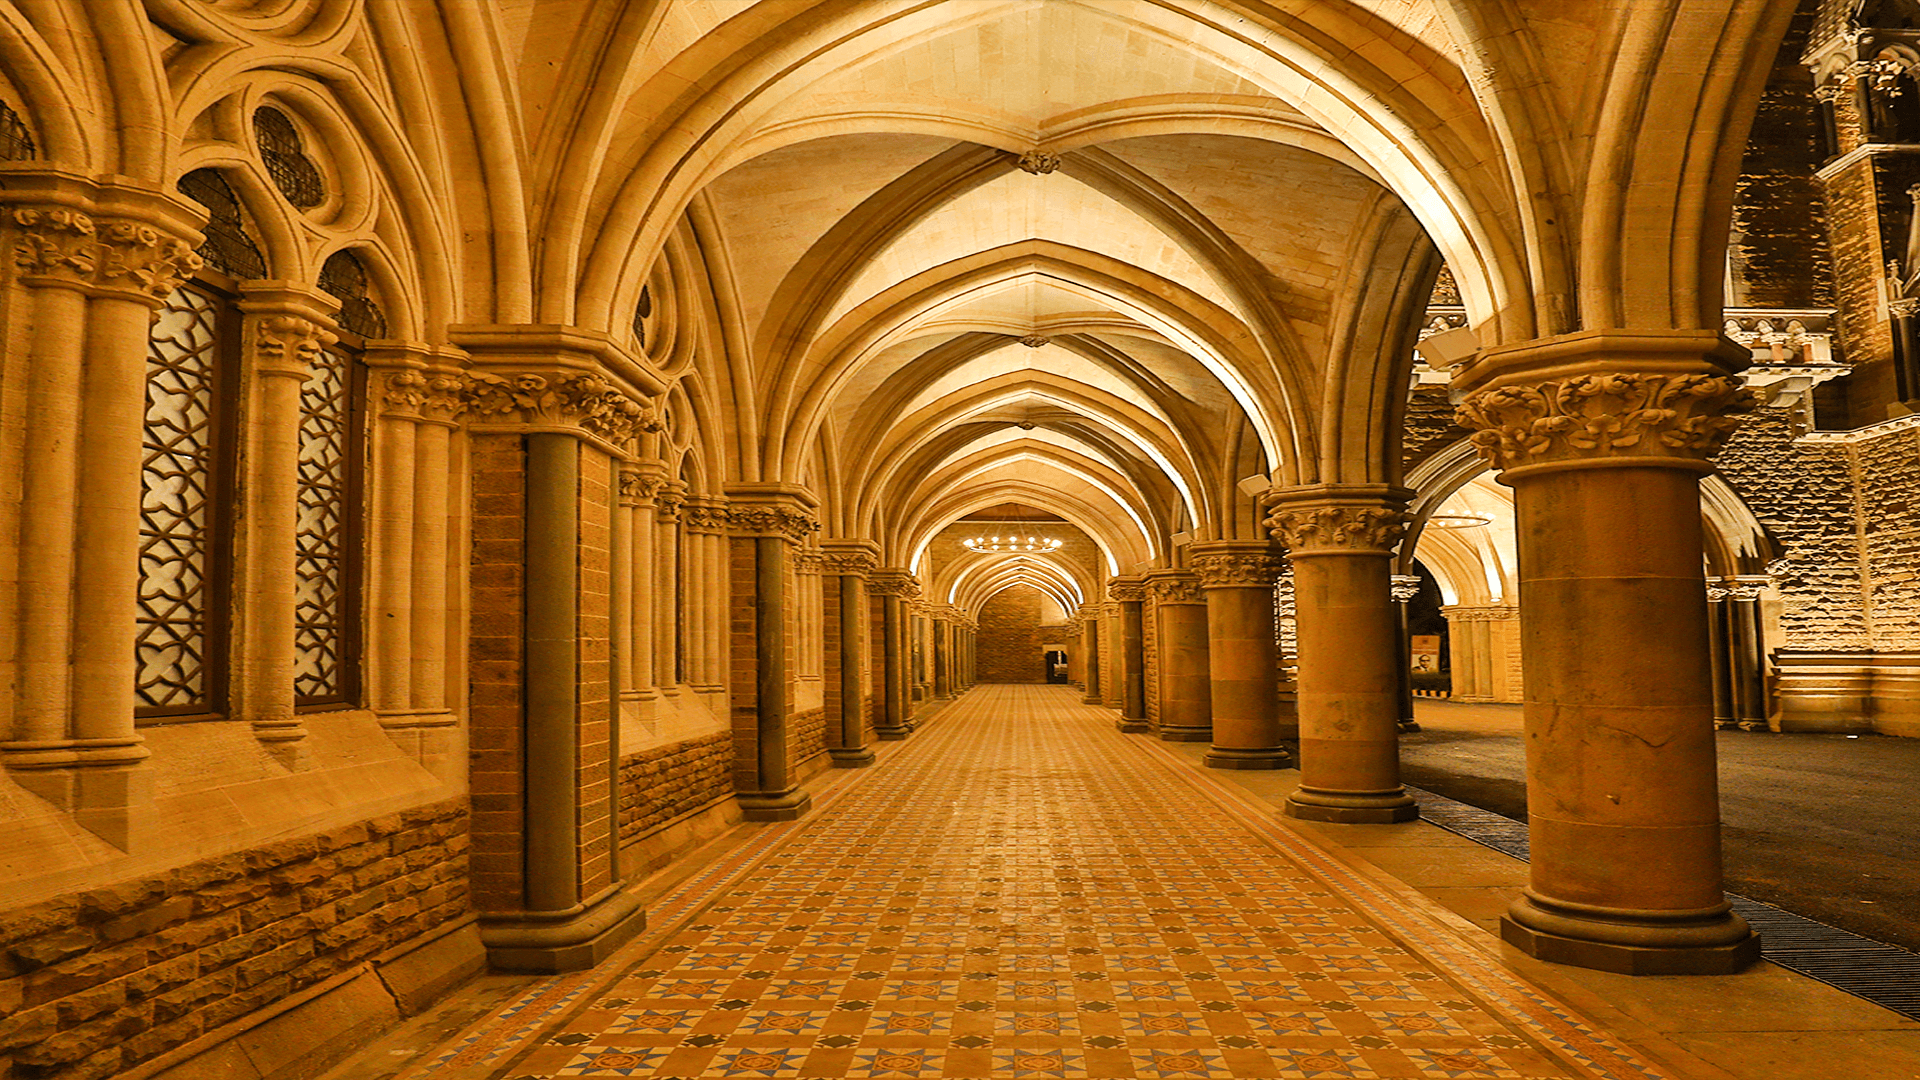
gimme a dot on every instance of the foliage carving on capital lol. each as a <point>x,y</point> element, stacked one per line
<point>1403,587</point>
<point>772,520</point>
<point>668,501</point>
<point>704,517</point>
<point>1597,416</point>
<point>1129,592</point>
<point>1307,529</point>
<point>290,343</point>
<point>848,563</point>
<point>1239,569</point>
<point>587,401</point>
<point>893,583</point>
<point>71,246</point>
<point>1183,589</point>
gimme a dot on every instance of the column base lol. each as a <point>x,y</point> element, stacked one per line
<point>850,757</point>
<point>1352,807</point>
<point>105,784</point>
<point>572,940</point>
<point>1234,757</point>
<point>785,805</point>
<point>1185,734</point>
<point>893,734</point>
<point>1132,727</point>
<point>1409,727</point>
<point>1631,942</point>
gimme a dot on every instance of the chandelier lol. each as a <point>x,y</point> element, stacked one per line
<point>1001,544</point>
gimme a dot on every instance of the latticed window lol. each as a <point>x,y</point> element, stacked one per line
<point>642,311</point>
<point>16,142</point>
<point>344,277</point>
<point>180,643</point>
<point>285,156</point>
<point>327,540</point>
<point>227,247</point>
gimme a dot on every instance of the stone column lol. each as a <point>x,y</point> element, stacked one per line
<point>1340,541</point>
<point>705,617</point>
<point>1186,680</point>
<point>768,523</point>
<point>1237,577</point>
<point>1603,437</point>
<point>1740,698</point>
<point>543,717</point>
<point>649,480</point>
<point>1089,670</point>
<point>846,564</point>
<point>942,633</point>
<point>891,588</point>
<point>669,560</point>
<point>1403,588</point>
<point>284,327</point>
<point>1131,595</point>
<point>95,261</point>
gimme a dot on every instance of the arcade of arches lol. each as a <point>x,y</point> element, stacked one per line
<point>457,458</point>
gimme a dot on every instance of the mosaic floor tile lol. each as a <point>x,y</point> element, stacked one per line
<point>1020,891</point>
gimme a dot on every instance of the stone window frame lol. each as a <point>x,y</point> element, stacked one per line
<point>349,691</point>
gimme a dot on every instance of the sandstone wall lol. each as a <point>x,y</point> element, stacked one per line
<point>100,981</point>
<point>1011,641</point>
<point>662,783</point>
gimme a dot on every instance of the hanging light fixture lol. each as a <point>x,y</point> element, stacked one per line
<point>995,545</point>
<point>1458,521</point>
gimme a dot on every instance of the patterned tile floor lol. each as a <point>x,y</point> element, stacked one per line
<point>1020,891</point>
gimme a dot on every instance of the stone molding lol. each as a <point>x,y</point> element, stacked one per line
<point>1599,417</point>
<point>1403,587</point>
<point>771,519</point>
<point>893,581</point>
<point>583,402</point>
<point>1174,587</point>
<point>1480,612</point>
<point>60,245</point>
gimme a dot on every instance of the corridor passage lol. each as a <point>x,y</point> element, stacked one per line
<point>1021,891</point>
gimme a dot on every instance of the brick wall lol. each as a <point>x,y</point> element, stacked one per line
<point>95,983</point>
<point>1429,426</point>
<point>1010,637</point>
<point>1889,495</point>
<point>494,658</point>
<point>662,783</point>
<point>742,640</point>
<point>593,707</point>
<point>806,737</point>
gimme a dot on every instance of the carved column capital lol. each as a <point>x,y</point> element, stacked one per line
<point>706,515</point>
<point>1235,564</point>
<point>793,522</point>
<point>849,558</point>
<point>1174,587</point>
<point>1127,590</point>
<point>893,581</point>
<point>1403,587</point>
<point>61,245</point>
<point>1336,519</point>
<point>288,344</point>
<point>668,500</point>
<point>567,401</point>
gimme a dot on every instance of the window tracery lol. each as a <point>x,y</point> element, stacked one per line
<point>284,154</point>
<point>16,142</point>
<point>180,631</point>
<point>326,540</point>
<point>227,247</point>
<point>344,277</point>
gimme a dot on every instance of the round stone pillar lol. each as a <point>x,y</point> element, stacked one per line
<point>1340,540</point>
<point>1186,681</point>
<point>1131,594</point>
<point>1603,437</point>
<point>1237,579</point>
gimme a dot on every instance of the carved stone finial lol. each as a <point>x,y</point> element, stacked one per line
<point>1620,415</point>
<point>1039,162</point>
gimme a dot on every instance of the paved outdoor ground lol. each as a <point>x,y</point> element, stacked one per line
<point>1825,826</point>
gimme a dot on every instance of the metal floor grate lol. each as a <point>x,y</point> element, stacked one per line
<point>1884,974</point>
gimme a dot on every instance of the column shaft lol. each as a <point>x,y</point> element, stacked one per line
<point>1185,677</point>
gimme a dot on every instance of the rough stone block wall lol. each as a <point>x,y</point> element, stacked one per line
<point>593,813</point>
<point>806,736</point>
<point>1010,645</point>
<point>1804,494</point>
<point>494,658</point>
<point>662,783</point>
<point>1888,468</point>
<point>1779,252</point>
<point>1429,426</point>
<point>1852,205</point>
<point>95,983</point>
